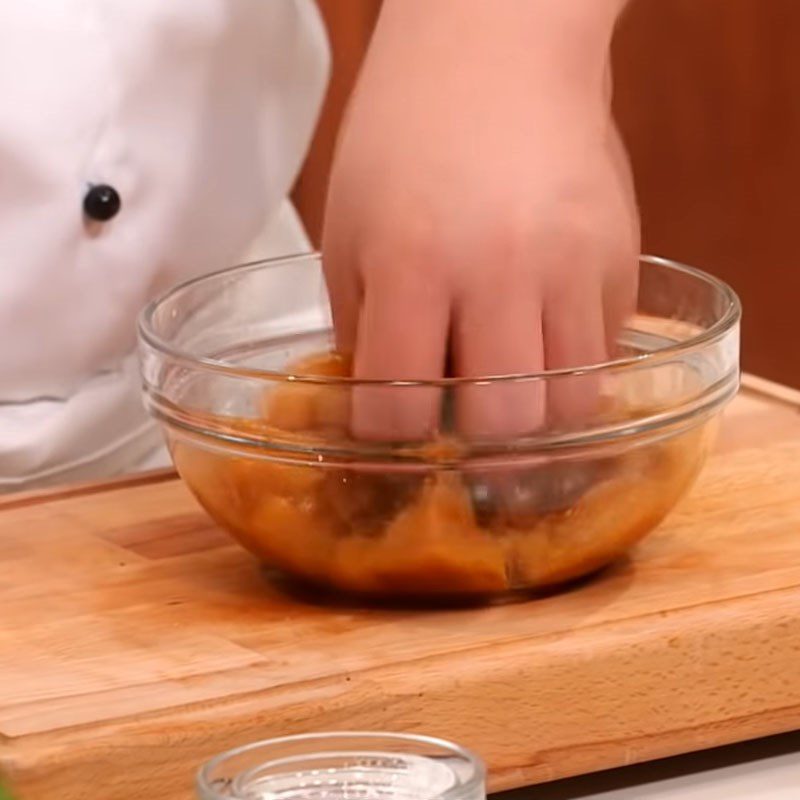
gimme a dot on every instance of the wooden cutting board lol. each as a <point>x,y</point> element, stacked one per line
<point>137,641</point>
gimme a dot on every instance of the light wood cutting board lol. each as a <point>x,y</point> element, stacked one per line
<point>137,641</point>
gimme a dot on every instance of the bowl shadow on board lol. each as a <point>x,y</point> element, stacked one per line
<point>612,580</point>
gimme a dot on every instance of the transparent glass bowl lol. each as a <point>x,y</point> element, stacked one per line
<point>345,766</point>
<point>267,449</point>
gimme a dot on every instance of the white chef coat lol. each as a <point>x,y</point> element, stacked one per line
<point>198,113</point>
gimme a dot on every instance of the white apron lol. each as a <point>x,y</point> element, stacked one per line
<point>195,116</point>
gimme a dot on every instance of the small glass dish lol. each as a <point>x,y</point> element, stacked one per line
<point>345,766</point>
<point>237,367</point>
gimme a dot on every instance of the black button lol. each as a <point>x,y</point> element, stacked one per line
<point>102,202</point>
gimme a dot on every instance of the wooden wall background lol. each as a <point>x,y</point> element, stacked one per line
<point>708,98</point>
<point>350,24</point>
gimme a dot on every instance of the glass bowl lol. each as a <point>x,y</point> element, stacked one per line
<point>344,766</point>
<point>237,367</point>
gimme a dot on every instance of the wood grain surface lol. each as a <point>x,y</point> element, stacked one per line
<point>137,641</point>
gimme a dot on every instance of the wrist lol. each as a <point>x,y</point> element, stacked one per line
<point>519,46</point>
<point>579,32</point>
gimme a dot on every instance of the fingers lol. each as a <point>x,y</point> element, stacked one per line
<point>575,336</point>
<point>499,333</point>
<point>619,304</point>
<point>622,174</point>
<point>402,335</point>
<point>621,284</point>
<point>344,291</point>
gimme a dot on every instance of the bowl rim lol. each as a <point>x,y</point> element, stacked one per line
<point>147,336</point>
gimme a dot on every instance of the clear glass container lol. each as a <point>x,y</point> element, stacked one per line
<point>237,367</point>
<point>344,766</point>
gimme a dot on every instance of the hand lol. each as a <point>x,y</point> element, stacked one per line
<point>480,213</point>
